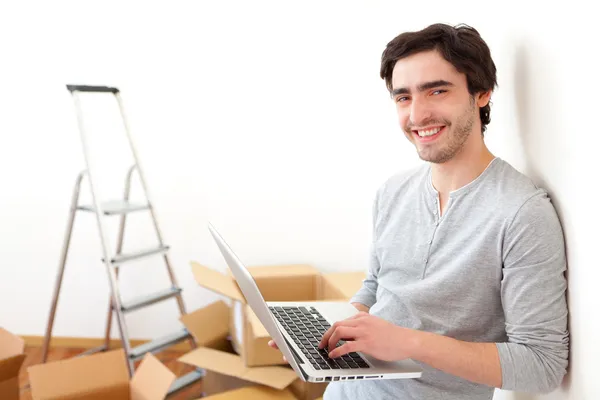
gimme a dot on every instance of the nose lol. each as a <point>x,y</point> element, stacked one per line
<point>419,112</point>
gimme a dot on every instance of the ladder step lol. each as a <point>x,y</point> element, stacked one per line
<point>88,88</point>
<point>186,380</point>
<point>122,258</point>
<point>158,344</point>
<point>149,299</point>
<point>93,351</point>
<point>116,207</point>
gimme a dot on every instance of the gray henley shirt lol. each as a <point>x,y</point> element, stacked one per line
<point>490,269</point>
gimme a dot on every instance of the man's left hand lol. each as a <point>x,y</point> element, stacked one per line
<point>370,335</point>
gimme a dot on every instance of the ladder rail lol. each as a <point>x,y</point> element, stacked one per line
<point>119,249</point>
<point>103,233</point>
<point>62,263</point>
<point>137,166</point>
<point>159,233</point>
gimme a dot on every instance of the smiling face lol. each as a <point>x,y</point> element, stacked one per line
<point>435,109</point>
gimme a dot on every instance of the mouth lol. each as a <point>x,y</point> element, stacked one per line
<point>428,134</point>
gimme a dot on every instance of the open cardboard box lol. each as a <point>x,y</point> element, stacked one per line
<point>226,371</point>
<point>276,283</point>
<point>12,355</point>
<point>100,376</point>
<point>253,393</point>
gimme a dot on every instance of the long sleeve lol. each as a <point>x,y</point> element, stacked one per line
<point>534,299</point>
<point>367,294</point>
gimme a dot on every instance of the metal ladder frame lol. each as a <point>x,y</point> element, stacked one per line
<point>113,262</point>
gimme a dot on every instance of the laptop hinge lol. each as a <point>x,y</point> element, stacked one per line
<point>299,361</point>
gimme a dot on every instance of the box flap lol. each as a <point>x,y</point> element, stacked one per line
<point>288,288</point>
<point>258,329</point>
<point>232,365</point>
<point>10,345</point>
<point>79,376</point>
<point>9,389</point>
<point>346,283</point>
<point>209,323</point>
<point>151,380</point>
<point>217,282</point>
<point>255,349</point>
<point>254,393</point>
<point>307,391</point>
<point>10,367</point>
<point>283,270</point>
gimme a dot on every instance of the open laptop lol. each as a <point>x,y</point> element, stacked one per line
<point>297,328</point>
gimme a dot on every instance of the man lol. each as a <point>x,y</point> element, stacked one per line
<point>468,257</point>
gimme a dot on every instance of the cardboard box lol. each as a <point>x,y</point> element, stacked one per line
<point>12,355</point>
<point>226,370</point>
<point>215,382</point>
<point>254,393</point>
<point>100,376</point>
<point>276,283</point>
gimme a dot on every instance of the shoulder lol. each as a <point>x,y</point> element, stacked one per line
<point>402,182</point>
<point>528,206</point>
<point>513,190</point>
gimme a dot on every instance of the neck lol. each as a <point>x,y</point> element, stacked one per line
<point>462,169</point>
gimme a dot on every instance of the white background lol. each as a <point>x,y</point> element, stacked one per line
<point>269,119</point>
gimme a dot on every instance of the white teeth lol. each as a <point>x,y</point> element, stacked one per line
<point>429,132</point>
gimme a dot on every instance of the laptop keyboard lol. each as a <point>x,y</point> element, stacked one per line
<point>306,327</point>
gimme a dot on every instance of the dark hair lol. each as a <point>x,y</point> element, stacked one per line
<point>460,45</point>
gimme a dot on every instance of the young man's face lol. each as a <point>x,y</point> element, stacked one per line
<point>436,111</point>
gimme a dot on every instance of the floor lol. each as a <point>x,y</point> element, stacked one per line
<point>169,358</point>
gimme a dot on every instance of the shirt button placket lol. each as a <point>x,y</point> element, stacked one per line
<point>436,224</point>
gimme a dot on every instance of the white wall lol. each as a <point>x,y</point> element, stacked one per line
<point>270,119</point>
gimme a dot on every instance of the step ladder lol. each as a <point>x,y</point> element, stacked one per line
<point>114,261</point>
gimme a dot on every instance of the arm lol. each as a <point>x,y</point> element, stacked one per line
<point>535,357</point>
<point>476,362</point>
<point>366,296</point>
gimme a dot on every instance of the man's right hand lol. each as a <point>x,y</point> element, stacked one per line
<point>358,306</point>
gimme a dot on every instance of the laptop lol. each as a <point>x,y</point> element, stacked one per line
<point>297,329</point>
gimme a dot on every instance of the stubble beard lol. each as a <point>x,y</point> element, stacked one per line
<point>456,139</point>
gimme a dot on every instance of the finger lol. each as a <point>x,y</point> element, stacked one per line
<point>325,338</point>
<point>343,332</point>
<point>329,332</point>
<point>344,349</point>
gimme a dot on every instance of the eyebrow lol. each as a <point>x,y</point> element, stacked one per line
<point>422,87</point>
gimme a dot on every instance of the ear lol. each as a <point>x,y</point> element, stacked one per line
<point>483,98</point>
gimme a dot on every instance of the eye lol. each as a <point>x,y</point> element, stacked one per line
<point>439,91</point>
<point>401,99</point>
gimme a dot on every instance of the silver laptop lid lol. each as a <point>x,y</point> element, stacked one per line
<point>254,298</point>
